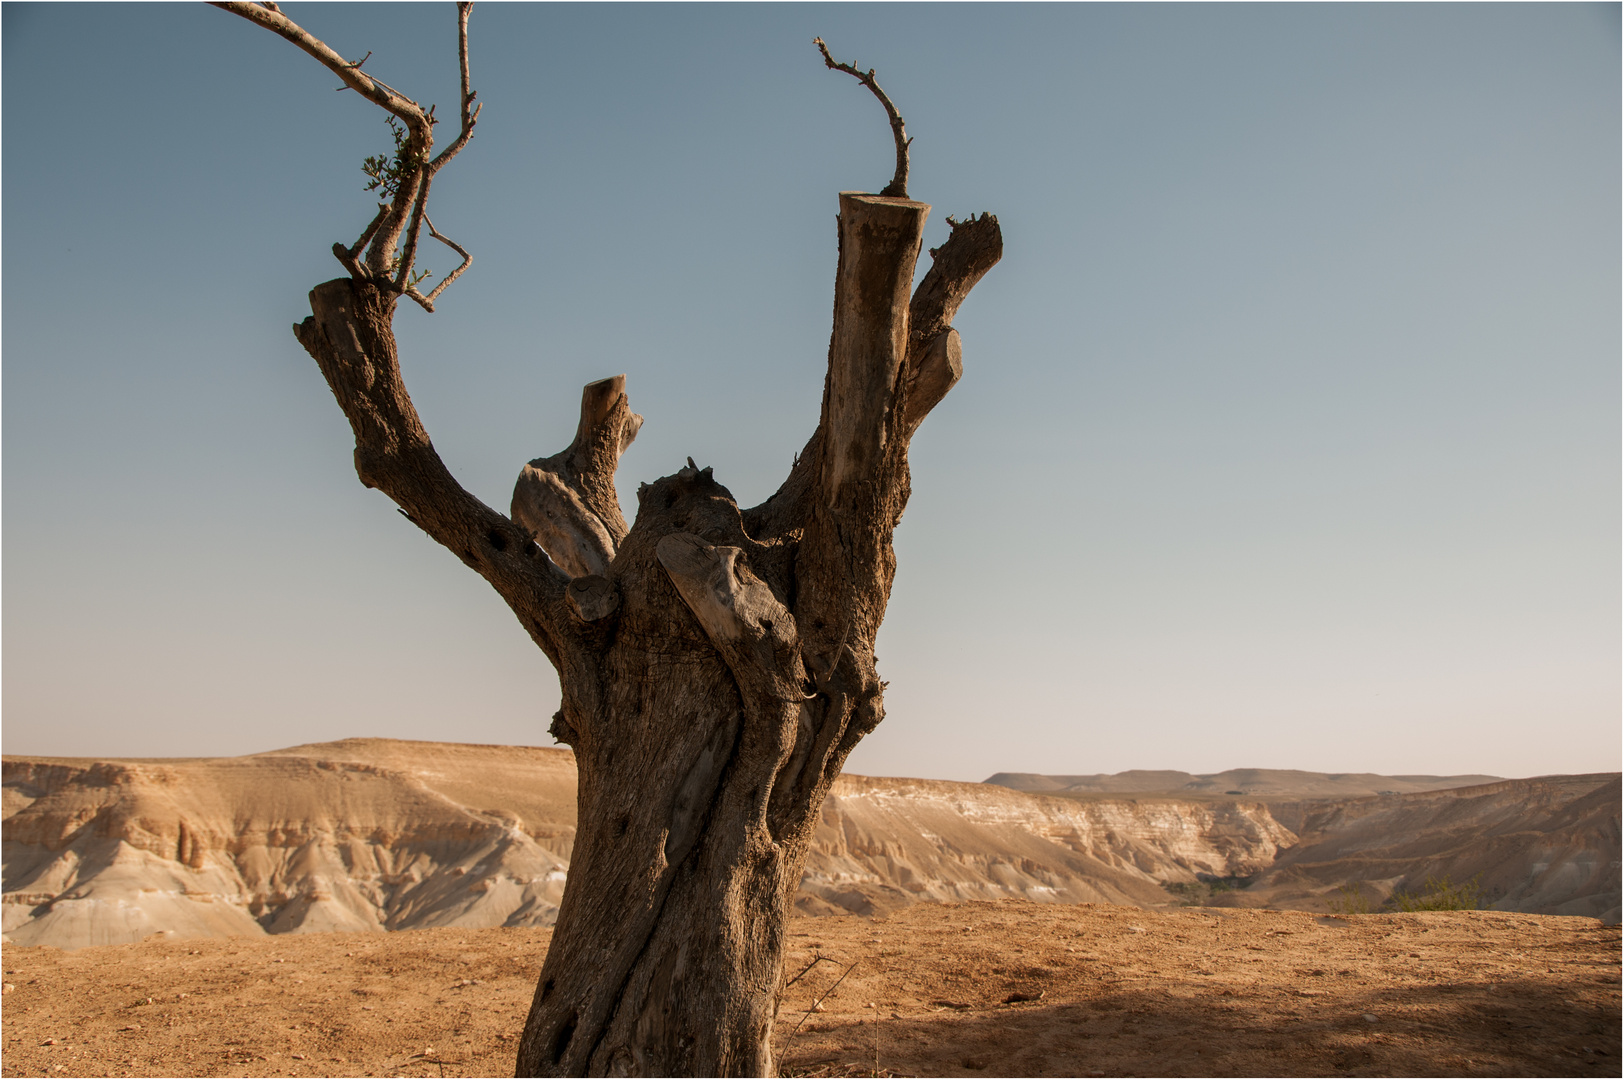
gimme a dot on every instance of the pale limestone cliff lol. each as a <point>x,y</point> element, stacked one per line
<point>886,842</point>
<point>377,834</point>
<point>380,834</point>
<point>108,852</point>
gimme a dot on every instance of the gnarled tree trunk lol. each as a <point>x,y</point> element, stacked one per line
<point>717,665</point>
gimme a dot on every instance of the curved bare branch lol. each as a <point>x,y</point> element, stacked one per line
<point>272,19</point>
<point>898,187</point>
<point>351,338</point>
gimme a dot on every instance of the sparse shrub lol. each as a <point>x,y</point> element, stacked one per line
<point>1441,894</point>
<point>1205,888</point>
<point>1351,902</point>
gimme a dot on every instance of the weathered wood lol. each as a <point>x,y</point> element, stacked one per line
<point>568,501</point>
<point>974,247</point>
<point>879,244</point>
<point>572,536</point>
<point>665,954</point>
<point>716,667</point>
<point>740,676</point>
<point>935,358</point>
<point>728,600</point>
<point>593,598</point>
<point>931,374</point>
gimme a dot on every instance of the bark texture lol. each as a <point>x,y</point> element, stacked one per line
<point>717,664</point>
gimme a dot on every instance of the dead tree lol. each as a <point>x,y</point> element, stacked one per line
<point>717,664</point>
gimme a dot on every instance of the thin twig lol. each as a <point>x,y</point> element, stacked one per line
<point>381,257</point>
<point>898,186</point>
<point>467,259</point>
<point>470,116</point>
<point>816,960</point>
<point>876,1038</point>
<point>408,255</point>
<point>360,245</point>
<point>427,302</point>
<point>810,1009</point>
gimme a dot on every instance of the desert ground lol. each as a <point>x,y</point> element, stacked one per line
<point>990,988</point>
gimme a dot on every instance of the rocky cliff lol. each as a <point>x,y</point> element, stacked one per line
<point>1548,845</point>
<point>377,834</point>
<point>1253,783</point>
<point>358,835</point>
<point>885,843</point>
<point>380,834</point>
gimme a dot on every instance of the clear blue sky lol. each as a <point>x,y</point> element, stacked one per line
<point>1289,434</point>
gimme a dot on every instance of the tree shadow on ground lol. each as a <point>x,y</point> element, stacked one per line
<point>1515,1028</point>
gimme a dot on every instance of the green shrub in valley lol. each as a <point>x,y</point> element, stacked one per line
<point>1352,901</point>
<point>1441,894</point>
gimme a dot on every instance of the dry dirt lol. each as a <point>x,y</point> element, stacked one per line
<point>989,988</point>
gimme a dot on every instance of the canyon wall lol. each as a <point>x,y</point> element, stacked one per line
<point>1548,845</point>
<point>379,834</point>
<point>883,843</point>
<point>360,835</point>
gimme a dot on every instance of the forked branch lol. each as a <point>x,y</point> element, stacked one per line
<point>391,240</point>
<point>898,187</point>
<point>467,260</point>
<point>351,256</point>
<point>470,111</point>
<point>350,335</point>
<point>404,281</point>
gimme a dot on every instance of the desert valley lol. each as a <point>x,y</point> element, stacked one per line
<point>379,834</point>
<point>223,917</point>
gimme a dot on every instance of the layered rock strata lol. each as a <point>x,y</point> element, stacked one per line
<point>381,834</point>
<point>377,834</point>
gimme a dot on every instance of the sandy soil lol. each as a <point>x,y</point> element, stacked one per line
<point>995,988</point>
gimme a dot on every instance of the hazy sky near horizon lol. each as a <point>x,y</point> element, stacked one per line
<point>1289,435</point>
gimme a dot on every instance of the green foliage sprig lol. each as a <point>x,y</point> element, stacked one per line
<point>388,172</point>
